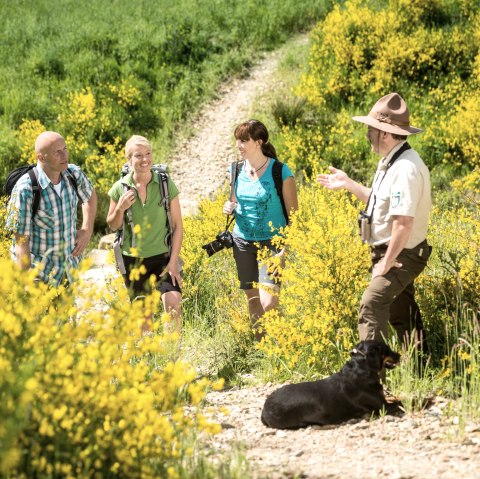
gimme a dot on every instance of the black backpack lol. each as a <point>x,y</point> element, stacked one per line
<point>277,168</point>
<point>17,173</point>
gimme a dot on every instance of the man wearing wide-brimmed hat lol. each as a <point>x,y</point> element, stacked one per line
<point>394,222</point>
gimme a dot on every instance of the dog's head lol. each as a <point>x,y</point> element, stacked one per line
<point>377,354</point>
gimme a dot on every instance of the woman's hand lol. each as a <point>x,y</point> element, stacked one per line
<point>281,255</point>
<point>126,200</point>
<point>228,207</point>
<point>174,271</point>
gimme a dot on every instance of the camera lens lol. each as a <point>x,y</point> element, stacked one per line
<point>213,247</point>
<point>223,240</point>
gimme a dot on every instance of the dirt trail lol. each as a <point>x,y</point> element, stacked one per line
<point>200,163</point>
<point>412,446</point>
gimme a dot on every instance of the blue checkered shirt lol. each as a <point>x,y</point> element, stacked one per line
<point>53,229</point>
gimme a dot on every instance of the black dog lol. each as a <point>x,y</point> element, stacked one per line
<point>350,393</point>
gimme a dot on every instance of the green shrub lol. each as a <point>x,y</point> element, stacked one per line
<point>148,75</point>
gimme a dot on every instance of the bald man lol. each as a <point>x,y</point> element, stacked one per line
<point>50,238</point>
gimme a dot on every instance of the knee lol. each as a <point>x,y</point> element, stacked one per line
<point>269,301</point>
<point>172,302</point>
<point>174,309</point>
<point>375,299</point>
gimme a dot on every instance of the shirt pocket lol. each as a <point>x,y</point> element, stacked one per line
<point>45,219</point>
<point>381,207</point>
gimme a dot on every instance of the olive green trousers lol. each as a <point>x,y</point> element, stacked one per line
<point>391,298</point>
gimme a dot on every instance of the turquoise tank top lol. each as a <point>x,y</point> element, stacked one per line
<point>258,213</point>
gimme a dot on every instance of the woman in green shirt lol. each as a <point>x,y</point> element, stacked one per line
<point>140,191</point>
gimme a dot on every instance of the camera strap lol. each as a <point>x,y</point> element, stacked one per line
<point>229,221</point>
<point>393,159</point>
<point>234,171</point>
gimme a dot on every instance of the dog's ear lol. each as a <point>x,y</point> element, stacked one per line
<point>390,358</point>
<point>360,349</point>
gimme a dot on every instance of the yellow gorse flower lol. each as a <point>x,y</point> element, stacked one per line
<point>88,386</point>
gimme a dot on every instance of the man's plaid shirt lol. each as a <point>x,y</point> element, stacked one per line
<point>53,229</point>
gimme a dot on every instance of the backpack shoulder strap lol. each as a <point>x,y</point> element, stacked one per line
<point>164,191</point>
<point>234,171</point>
<point>73,182</point>
<point>277,168</point>
<point>129,218</point>
<point>32,173</point>
<point>165,195</point>
<point>120,235</point>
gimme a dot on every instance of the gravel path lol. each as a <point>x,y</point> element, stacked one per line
<point>426,445</point>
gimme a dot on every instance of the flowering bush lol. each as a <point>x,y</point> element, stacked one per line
<point>5,236</point>
<point>425,50</point>
<point>338,142</point>
<point>210,283</point>
<point>364,49</point>
<point>27,134</point>
<point>83,393</point>
<point>325,274</point>
<point>453,273</point>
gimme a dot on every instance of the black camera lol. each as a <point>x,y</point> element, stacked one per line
<point>223,240</point>
<point>364,226</point>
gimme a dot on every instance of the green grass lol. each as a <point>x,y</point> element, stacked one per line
<point>174,53</point>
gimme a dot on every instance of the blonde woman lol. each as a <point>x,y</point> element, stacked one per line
<point>140,191</point>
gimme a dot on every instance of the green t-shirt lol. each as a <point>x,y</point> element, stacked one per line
<point>150,218</point>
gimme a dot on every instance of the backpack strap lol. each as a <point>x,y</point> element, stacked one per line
<point>165,195</point>
<point>234,171</point>
<point>33,174</point>
<point>120,235</point>
<point>73,182</point>
<point>129,220</point>
<point>277,168</point>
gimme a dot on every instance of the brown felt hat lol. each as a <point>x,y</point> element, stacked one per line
<point>390,114</point>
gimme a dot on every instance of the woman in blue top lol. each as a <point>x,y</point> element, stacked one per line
<point>258,215</point>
